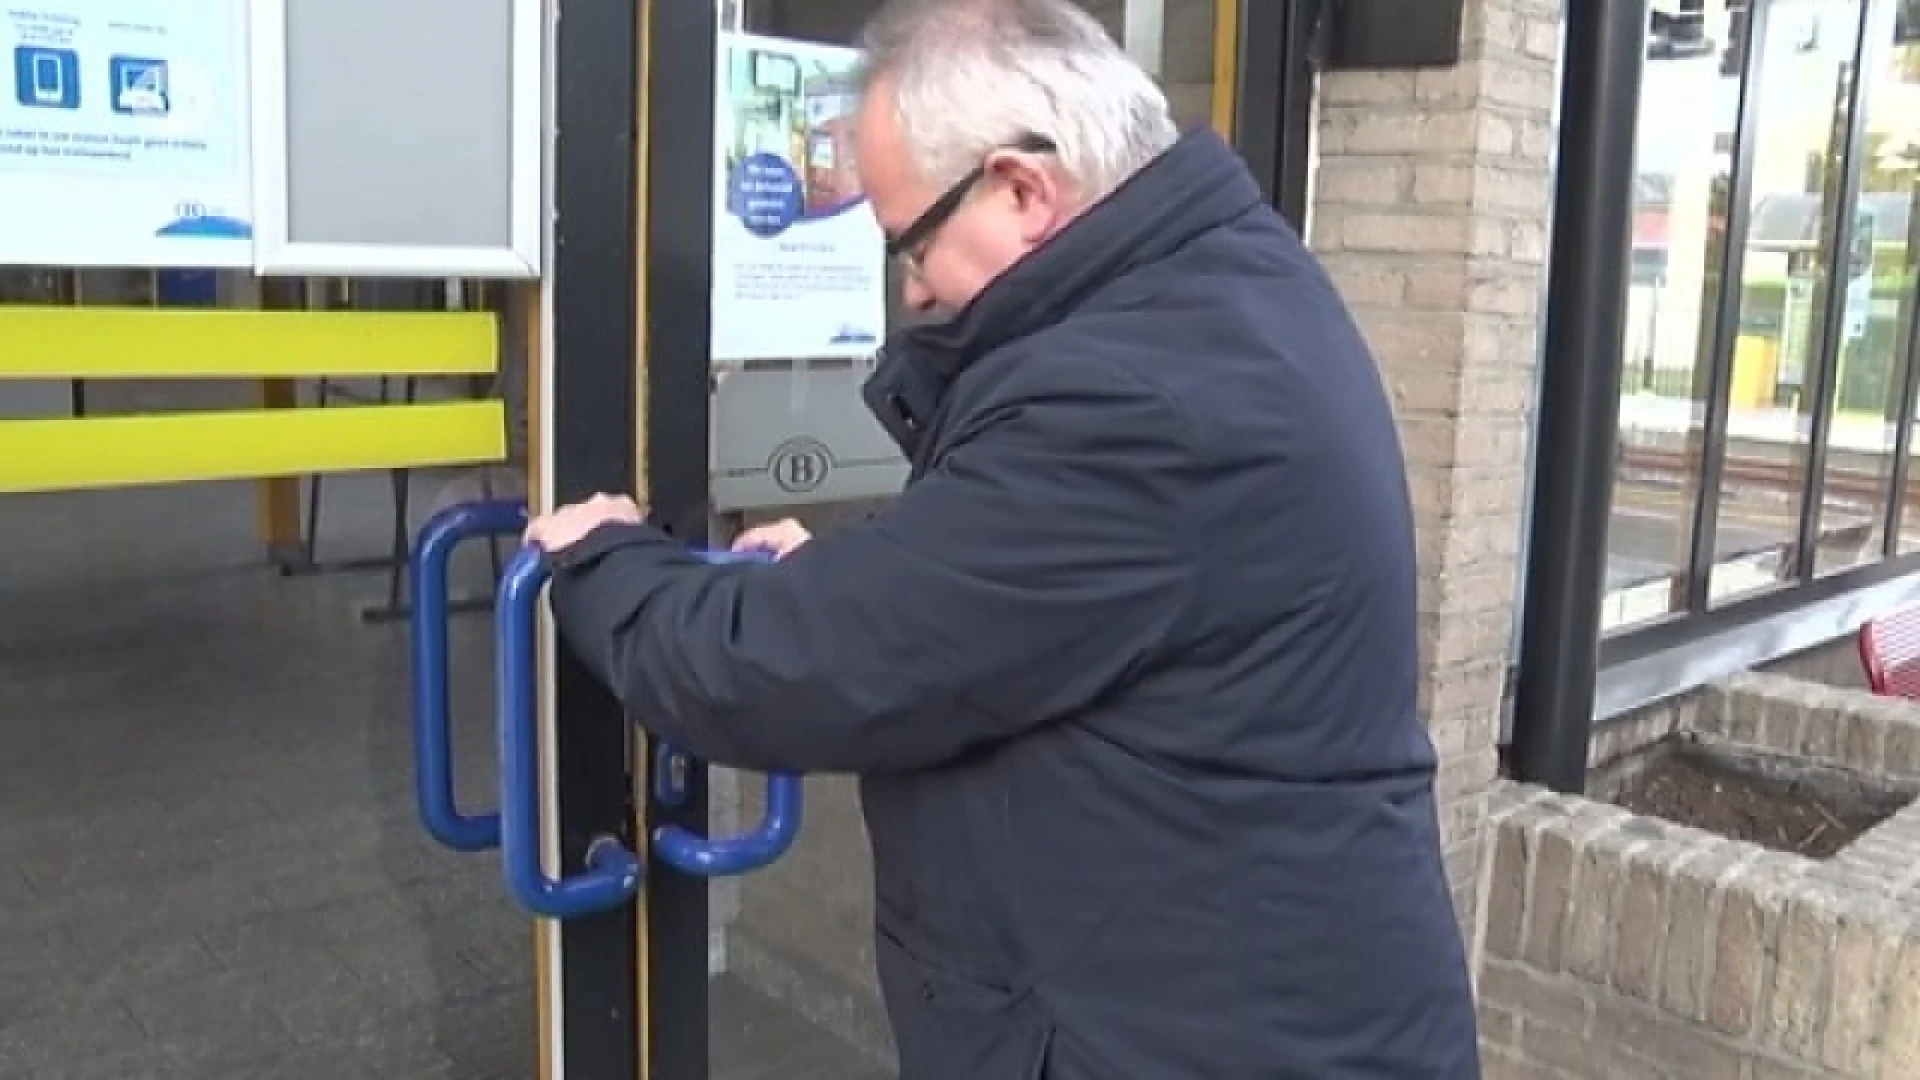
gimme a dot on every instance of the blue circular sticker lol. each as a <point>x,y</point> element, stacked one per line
<point>765,194</point>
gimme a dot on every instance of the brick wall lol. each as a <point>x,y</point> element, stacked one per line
<point>1837,663</point>
<point>1625,946</point>
<point>1429,206</point>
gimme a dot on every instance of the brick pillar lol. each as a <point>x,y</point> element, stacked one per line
<point>1429,210</point>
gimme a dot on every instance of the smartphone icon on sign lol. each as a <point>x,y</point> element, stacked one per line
<point>49,81</point>
<point>46,78</point>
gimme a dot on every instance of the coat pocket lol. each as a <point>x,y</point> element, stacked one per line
<point>953,1028</point>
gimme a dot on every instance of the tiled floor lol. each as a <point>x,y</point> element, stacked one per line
<point>210,865</point>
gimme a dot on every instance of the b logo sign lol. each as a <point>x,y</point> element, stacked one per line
<point>800,465</point>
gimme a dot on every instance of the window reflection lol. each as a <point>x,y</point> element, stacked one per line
<point>1876,306</point>
<point>1897,161</point>
<point>1802,76</point>
<point>1172,39</point>
<point>1825,301</point>
<point>1684,166</point>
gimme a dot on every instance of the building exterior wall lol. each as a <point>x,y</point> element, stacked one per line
<point>1836,663</point>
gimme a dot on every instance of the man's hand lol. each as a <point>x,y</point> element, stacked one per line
<point>779,537</point>
<point>567,525</point>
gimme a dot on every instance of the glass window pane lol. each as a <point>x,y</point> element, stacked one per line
<point>1877,308</point>
<point>1683,168</point>
<point>1802,78</point>
<point>1173,40</point>
<point>802,929</point>
<point>1899,156</point>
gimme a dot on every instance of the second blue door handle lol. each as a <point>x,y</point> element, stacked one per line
<point>432,674</point>
<point>704,857</point>
<point>612,874</point>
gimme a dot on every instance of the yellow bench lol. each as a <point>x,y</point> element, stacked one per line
<point>97,343</point>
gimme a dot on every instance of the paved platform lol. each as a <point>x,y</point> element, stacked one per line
<point>210,865</point>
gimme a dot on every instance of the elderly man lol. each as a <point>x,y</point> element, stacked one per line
<point>1128,671</point>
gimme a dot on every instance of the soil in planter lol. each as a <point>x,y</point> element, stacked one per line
<point>1691,787</point>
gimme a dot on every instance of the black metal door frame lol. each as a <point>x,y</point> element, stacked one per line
<point>1280,44</point>
<point>676,227</point>
<point>629,276</point>
<point>589,436</point>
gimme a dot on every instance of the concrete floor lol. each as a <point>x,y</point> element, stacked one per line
<point>210,864</point>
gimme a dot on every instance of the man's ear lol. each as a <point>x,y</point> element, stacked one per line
<point>1019,176</point>
<point>1035,190</point>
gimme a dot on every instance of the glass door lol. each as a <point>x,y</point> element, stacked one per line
<point>789,948</point>
<point>660,951</point>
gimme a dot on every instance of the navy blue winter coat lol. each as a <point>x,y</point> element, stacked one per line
<point>1128,671</point>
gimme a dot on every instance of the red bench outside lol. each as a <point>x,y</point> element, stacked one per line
<point>1890,653</point>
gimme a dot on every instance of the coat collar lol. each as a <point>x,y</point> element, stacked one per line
<point>1198,184</point>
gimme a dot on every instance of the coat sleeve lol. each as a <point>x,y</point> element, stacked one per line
<point>1034,569</point>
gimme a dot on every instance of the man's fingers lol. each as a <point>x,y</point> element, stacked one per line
<point>754,539</point>
<point>776,536</point>
<point>780,538</point>
<point>566,525</point>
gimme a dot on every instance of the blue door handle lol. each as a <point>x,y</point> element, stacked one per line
<point>702,856</point>
<point>432,710</point>
<point>612,874</point>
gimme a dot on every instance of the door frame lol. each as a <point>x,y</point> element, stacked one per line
<point>583,406</point>
<point>675,330</point>
<point>1266,55</point>
<point>622,403</point>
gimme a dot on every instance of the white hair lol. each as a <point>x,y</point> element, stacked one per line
<point>972,76</point>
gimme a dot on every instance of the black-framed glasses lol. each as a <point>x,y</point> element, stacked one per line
<point>908,244</point>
